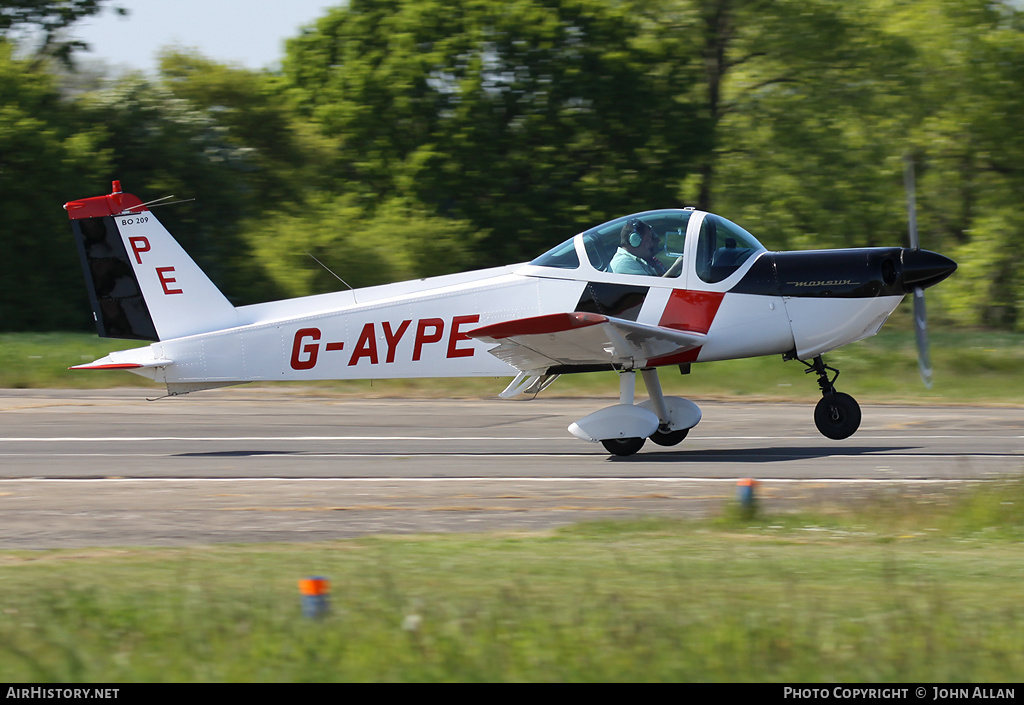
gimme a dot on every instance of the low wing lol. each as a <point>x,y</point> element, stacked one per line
<point>582,339</point>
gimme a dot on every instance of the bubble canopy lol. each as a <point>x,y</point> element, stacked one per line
<point>717,246</point>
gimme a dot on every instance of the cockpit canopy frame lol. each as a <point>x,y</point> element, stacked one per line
<point>713,246</point>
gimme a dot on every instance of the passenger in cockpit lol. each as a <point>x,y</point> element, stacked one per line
<point>638,245</point>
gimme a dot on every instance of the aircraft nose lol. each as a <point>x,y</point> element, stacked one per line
<point>923,268</point>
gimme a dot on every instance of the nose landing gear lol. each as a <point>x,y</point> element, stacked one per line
<point>837,415</point>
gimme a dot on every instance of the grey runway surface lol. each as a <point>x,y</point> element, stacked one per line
<point>108,468</point>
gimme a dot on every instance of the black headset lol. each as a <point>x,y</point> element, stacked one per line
<point>635,237</point>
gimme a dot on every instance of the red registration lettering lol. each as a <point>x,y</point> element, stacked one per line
<point>392,338</point>
<point>422,337</point>
<point>366,346</point>
<point>139,245</point>
<point>456,336</point>
<point>304,356</point>
<point>164,275</point>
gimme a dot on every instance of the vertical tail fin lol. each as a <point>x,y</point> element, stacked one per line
<point>141,283</point>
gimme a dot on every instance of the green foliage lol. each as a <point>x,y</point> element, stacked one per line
<point>462,134</point>
<point>399,241</point>
<point>162,145</point>
<point>966,136</point>
<point>815,109</point>
<point>286,243</point>
<point>44,153</point>
<point>530,120</point>
<point>818,103</point>
<point>280,159</point>
<point>420,243</point>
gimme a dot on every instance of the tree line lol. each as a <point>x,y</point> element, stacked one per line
<point>408,138</point>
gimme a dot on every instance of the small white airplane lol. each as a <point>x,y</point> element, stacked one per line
<point>649,290</point>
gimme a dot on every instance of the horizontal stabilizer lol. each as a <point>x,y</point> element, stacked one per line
<point>100,365</point>
<point>581,339</point>
<point>137,359</point>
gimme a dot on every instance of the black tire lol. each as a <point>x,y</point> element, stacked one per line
<point>837,416</point>
<point>623,446</point>
<point>671,438</point>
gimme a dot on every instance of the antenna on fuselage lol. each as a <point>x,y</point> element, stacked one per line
<point>332,273</point>
<point>155,203</point>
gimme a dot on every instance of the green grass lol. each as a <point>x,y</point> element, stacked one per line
<point>970,367</point>
<point>904,590</point>
<point>41,361</point>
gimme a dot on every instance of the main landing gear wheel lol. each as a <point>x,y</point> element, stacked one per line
<point>669,438</point>
<point>837,416</point>
<point>623,446</point>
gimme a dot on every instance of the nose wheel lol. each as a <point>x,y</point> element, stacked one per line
<point>837,415</point>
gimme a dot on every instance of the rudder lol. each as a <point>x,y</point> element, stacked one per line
<point>141,283</point>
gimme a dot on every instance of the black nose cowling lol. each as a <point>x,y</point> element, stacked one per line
<point>923,268</point>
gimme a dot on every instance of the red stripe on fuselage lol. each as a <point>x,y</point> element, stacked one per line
<point>690,311</point>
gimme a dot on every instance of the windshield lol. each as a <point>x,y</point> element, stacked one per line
<point>562,256</point>
<point>722,247</point>
<point>645,243</point>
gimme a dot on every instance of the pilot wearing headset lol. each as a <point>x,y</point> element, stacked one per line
<point>638,245</point>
